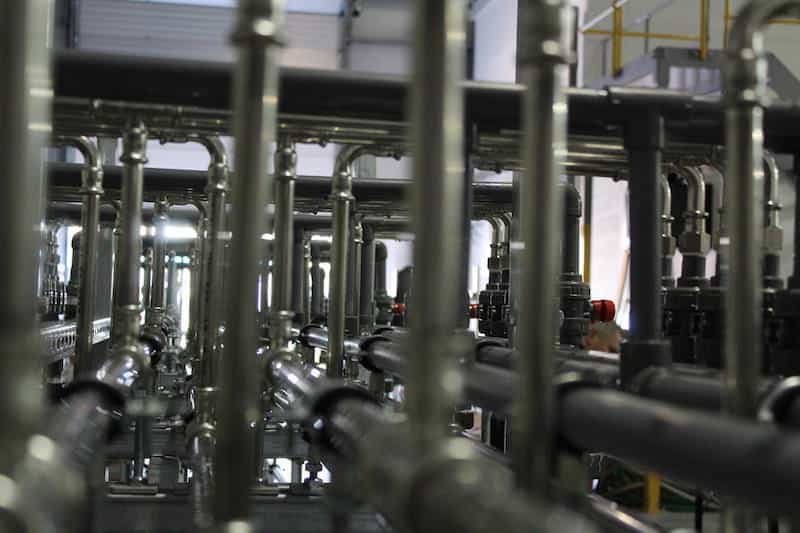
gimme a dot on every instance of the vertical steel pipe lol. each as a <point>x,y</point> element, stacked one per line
<point>210,295</point>
<point>125,319</point>
<point>668,242</point>
<point>116,237</point>
<point>172,283</point>
<point>92,191</point>
<point>353,303</point>
<point>745,92</point>
<point>367,290</point>
<point>255,113</point>
<point>543,70</point>
<point>437,205</point>
<point>283,245</point>
<point>157,292</point>
<point>299,284</point>
<point>147,277</point>
<point>195,333</point>
<point>773,232</point>
<point>342,198</point>
<point>25,102</point>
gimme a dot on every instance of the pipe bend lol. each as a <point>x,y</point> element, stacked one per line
<point>216,149</point>
<point>773,180</point>
<point>746,80</point>
<point>87,148</point>
<point>496,230</point>
<point>666,199</point>
<point>696,202</point>
<point>351,153</point>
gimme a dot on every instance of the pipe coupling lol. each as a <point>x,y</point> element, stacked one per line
<point>342,187</point>
<point>218,178</point>
<point>256,28</point>
<point>550,40</point>
<point>285,161</point>
<point>134,145</point>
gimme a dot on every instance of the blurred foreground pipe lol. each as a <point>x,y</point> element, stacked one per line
<point>437,199</point>
<point>255,113</point>
<point>744,92</point>
<point>543,69</point>
<point>25,102</point>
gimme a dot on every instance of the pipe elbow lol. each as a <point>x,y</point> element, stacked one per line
<point>666,198</point>
<point>216,150</point>
<point>744,83</point>
<point>697,189</point>
<point>496,231</point>
<point>89,150</point>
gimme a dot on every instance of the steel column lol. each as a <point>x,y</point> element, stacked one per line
<point>25,113</point>
<point>282,312</point>
<point>367,290</point>
<point>437,201</point>
<point>210,296</point>
<point>744,94</point>
<point>543,70</point>
<point>255,113</point>
<point>92,190</point>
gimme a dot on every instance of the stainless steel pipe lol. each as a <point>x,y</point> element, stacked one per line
<point>437,204</point>
<point>745,94</point>
<point>342,198</point>
<point>25,103</point>
<point>92,191</point>
<point>668,241</point>
<point>172,284</point>
<point>160,221</point>
<point>255,91</point>
<point>353,301</point>
<point>125,319</point>
<point>210,294</point>
<point>543,70</point>
<point>195,335</point>
<point>282,313</point>
<point>773,232</point>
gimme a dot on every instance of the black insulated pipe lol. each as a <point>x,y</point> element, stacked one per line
<point>794,279</point>
<point>644,141</point>
<point>745,461</point>
<point>575,294</point>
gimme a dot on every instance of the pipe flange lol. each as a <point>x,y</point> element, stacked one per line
<point>772,407</point>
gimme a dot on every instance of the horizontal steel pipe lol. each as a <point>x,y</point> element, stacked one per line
<point>67,176</point>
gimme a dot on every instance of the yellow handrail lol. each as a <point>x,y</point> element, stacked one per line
<point>618,33</point>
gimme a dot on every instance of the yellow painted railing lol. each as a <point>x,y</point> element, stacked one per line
<point>617,32</point>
